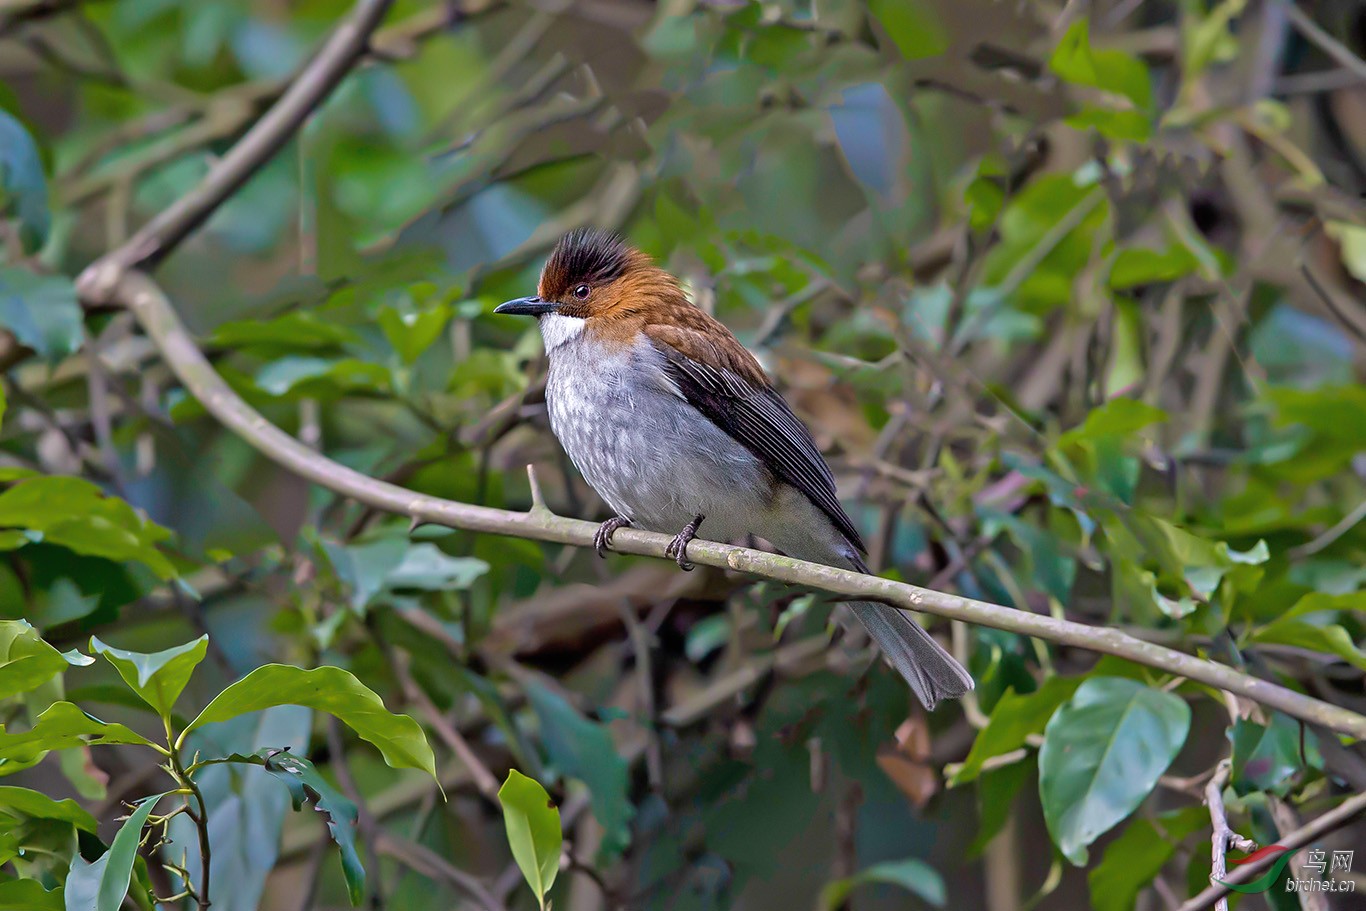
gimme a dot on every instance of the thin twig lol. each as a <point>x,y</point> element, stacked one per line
<point>1331,821</point>
<point>484,780</point>
<point>1221,836</point>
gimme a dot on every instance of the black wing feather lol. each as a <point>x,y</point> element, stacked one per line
<point>761,420</point>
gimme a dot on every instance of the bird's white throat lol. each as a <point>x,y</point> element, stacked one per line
<point>557,329</point>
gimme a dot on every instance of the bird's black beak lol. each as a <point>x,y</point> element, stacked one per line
<point>526,306</point>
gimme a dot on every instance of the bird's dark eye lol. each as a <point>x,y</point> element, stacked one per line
<point>581,292</point>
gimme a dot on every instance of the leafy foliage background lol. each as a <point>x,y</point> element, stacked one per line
<point>1069,294</point>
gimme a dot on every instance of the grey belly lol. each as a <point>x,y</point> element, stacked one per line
<point>656,460</point>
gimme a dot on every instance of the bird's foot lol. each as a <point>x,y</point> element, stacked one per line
<point>603,538</point>
<point>678,547</point>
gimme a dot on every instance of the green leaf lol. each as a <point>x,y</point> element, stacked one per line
<point>533,827</point>
<point>77,515</point>
<point>63,725</point>
<point>1102,753</point>
<point>29,895</point>
<point>1119,417</point>
<point>41,310</point>
<point>159,677</point>
<point>1135,858</point>
<point>23,185</point>
<point>1328,639</point>
<point>1111,71</point>
<point>413,332</point>
<point>102,885</point>
<point>294,331</point>
<point>1268,757</point>
<point>584,750</point>
<point>916,876</point>
<point>1012,721</point>
<point>305,786</point>
<point>335,691</point>
<point>320,377</point>
<point>26,661</point>
<point>427,567</point>
<point>1140,266</point>
<point>913,26</point>
<point>24,803</point>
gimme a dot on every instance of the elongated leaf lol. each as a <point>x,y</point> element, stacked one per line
<point>584,750</point>
<point>1135,858</point>
<point>915,876</point>
<point>306,786</point>
<point>246,809</point>
<point>159,677</point>
<point>1102,753</point>
<point>23,185</point>
<point>101,885</point>
<point>1013,720</point>
<point>26,661</point>
<point>29,895</point>
<point>334,691</point>
<point>22,802</point>
<point>63,725</point>
<point>533,827</point>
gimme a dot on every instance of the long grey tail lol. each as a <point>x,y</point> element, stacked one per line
<point>933,674</point>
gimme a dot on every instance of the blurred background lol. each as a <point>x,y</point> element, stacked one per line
<point>1070,294</point>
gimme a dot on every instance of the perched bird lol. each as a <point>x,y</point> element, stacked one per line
<point>675,425</point>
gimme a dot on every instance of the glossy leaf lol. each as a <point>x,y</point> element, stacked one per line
<point>533,830</point>
<point>25,803</point>
<point>61,726</point>
<point>334,691</point>
<point>26,661</point>
<point>159,677</point>
<point>102,884</point>
<point>1270,757</point>
<point>1102,754</point>
<point>915,876</point>
<point>78,515</point>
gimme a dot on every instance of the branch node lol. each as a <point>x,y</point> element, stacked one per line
<point>538,506</point>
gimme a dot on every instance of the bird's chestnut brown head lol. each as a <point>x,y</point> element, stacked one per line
<point>594,273</point>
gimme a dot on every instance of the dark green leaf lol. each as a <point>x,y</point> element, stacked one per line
<point>915,876</point>
<point>584,750</point>
<point>1119,417</point>
<point>1102,753</point>
<point>413,332</point>
<point>334,691</point>
<point>1135,858</point>
<point>41,311</point>
<point>159,677</point>
<point>23,185</point>
<point>1269,757</point>
<point>1014,718</point>
<point>533,829</point>
<point>307,786</point>
<point>102,885</point>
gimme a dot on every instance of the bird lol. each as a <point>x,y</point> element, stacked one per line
<point>679,430</point>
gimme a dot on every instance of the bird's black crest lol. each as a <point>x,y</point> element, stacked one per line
<point>584,255</point>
